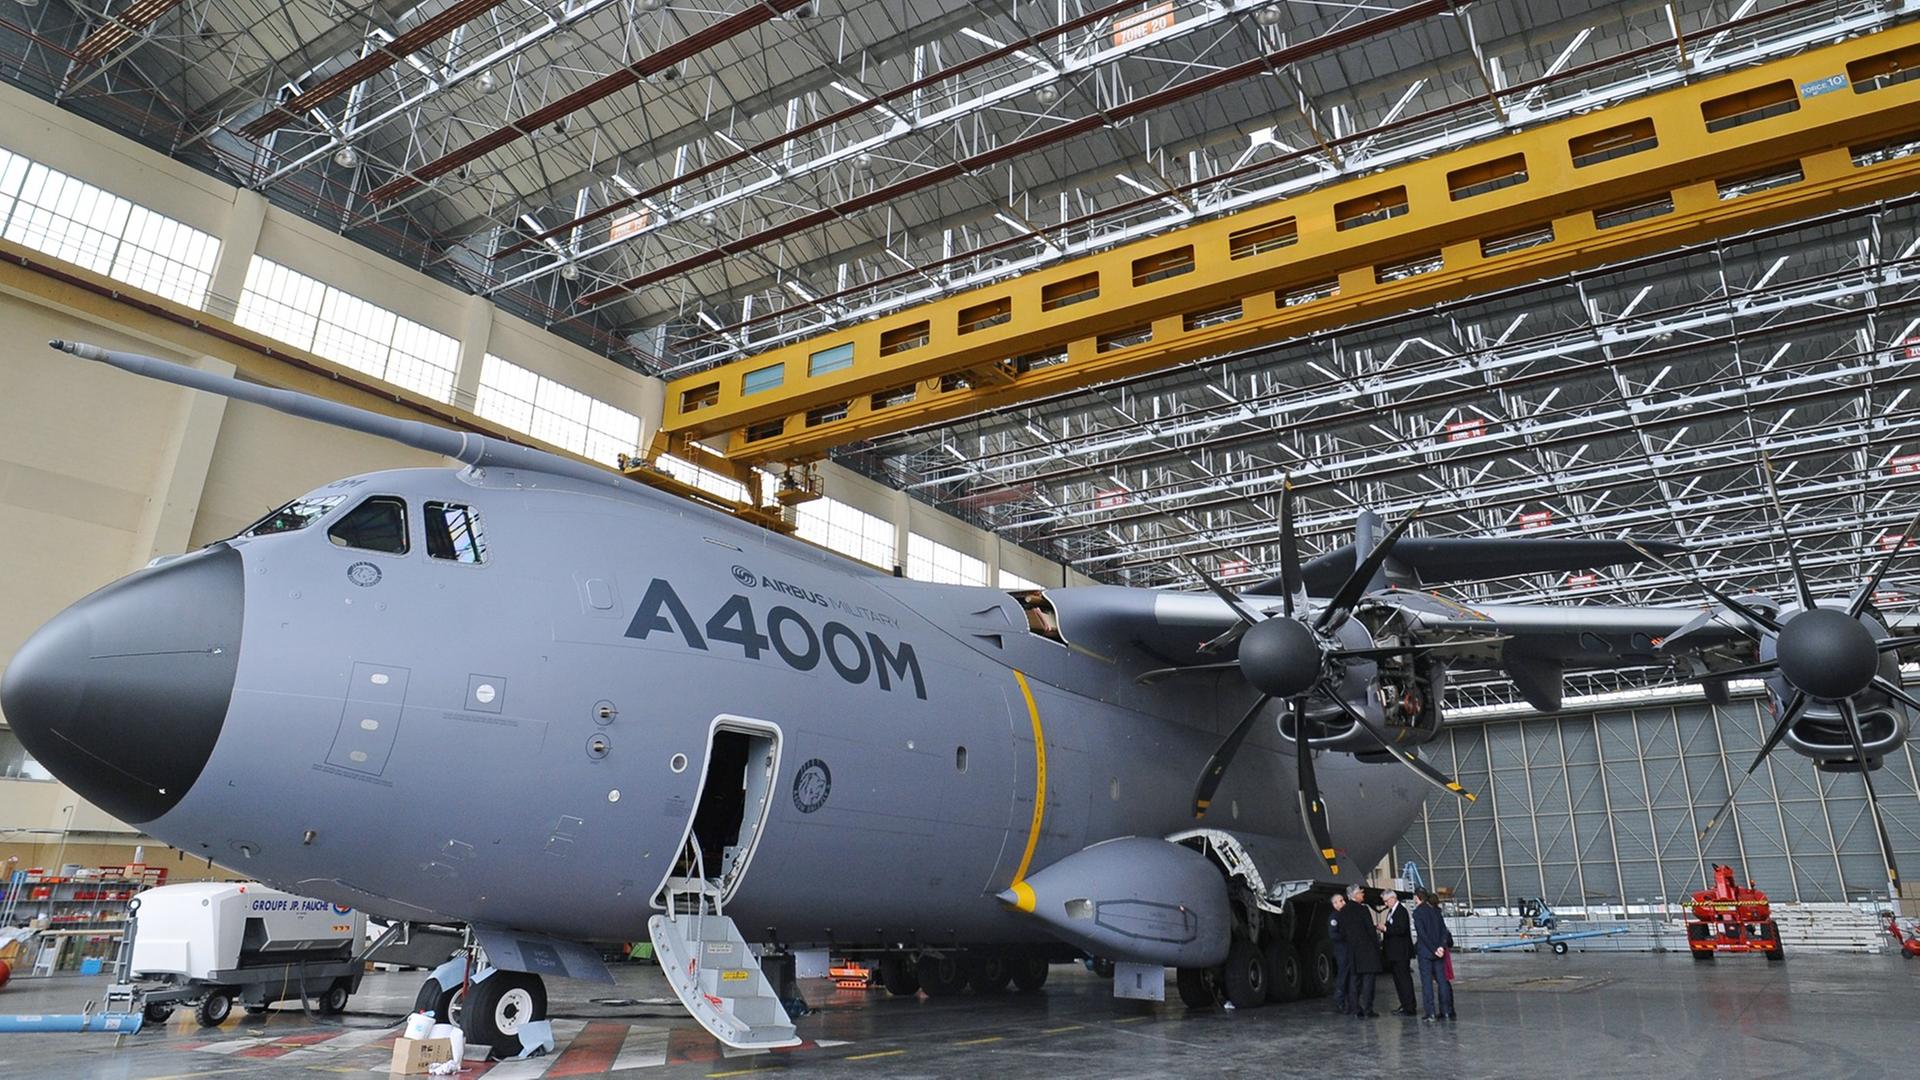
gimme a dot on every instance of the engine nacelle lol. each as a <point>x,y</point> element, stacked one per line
<point>1821,733</point>
<point>1135,899</point>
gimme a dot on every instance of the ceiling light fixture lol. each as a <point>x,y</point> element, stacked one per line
<point>346,157</point>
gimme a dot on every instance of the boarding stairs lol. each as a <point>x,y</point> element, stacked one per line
<point>710,967</point>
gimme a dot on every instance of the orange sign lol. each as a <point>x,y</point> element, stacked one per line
<point>628,224</point>
<point>1151,21</point>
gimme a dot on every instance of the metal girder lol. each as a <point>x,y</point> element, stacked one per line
<point>1769,143</point>
<point>119,29</point>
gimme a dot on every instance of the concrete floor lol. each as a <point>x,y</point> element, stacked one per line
<point>1523,1016</point>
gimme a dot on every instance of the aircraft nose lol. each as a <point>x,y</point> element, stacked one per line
<point>123,695</point>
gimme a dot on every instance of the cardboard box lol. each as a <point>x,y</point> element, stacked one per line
<point>414,1055</point>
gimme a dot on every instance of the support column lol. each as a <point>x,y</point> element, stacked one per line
<point>476,335</point>
<point>239,238</point>
<point>180,474</point>
<point>902,528</point>
<point>993,559</point>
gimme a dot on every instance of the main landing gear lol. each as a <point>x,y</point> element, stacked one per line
<point>945,974</point>
<point>1273,958</point>
<point>493,1010</point>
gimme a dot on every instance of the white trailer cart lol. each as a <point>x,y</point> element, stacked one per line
<point>210,944</point>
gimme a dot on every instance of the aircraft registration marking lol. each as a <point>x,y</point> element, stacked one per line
<point>1024,891</point>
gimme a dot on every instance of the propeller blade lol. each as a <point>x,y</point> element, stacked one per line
<point>1761,668</point>
<point>1758,618</point>
<point>1896,692</point>
<point>1312,808</point>
<point>1407,756</point>
<point>1713,823</point>
<point>1892,643</point>
<point>1157,674</point>
<point>1788,715</point>
<point>1217,764</point>
<point>1239,606</point>
<point>1865,595</point>
<point>1292,583</point>
<point>1800,581</point>
<point>1873,802</point>
<point>1356,584</point>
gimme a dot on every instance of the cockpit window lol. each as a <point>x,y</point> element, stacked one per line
<point>294,516</point>
<point>378,524</point>
<point>453,533</point>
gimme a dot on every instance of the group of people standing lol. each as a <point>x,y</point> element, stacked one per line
<point>1365,948</point>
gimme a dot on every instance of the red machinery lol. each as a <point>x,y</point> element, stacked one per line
<point>1909,942</point>
<point>1729,918</point>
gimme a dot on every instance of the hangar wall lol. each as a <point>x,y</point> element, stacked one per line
<point>99,471</point>
<point>1604,807</point>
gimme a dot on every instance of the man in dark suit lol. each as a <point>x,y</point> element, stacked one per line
<point>1434,942</point>
<point>1396,949</point>
<point>1363,950</point>
<point>1343,961</point>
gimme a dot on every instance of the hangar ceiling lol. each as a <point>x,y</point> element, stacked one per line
<point>552,155</point>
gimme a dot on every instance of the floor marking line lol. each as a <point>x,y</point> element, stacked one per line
<point>735,1072</point>
<point>977,1042</point>
<point>643,1048</point>
<point>1058,1030</point>
<point>208,1072</point>
<point>875,1054</point>
<point>1132,1019</point>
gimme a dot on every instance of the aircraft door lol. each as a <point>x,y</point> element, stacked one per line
<point>736,793</point>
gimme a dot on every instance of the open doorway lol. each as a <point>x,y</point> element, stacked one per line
<point>734,799</point>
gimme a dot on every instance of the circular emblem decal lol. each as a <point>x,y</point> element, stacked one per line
<point>341,909</point>
<point>745,576</point>
<point>811,785</point>
<point>363,574</point>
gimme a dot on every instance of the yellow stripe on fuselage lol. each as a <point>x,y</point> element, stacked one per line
<point>1039,787</point>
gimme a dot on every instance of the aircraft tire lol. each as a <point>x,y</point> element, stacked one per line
<point>1029,971</point>
<point>941,976</point>
<point>1318,967</point>
<point>437,1000</point>
<point>499,1006</point>
<point>990,972</point>
<point>214,1008</point>
<point>899,975</point>
<point>1196,988</point>
<point>1283,970</point>
<point>1244,979</point>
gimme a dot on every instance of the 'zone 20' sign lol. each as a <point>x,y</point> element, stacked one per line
<point>789,636</point>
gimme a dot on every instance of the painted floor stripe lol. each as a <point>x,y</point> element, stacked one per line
<point>875,1054</point>
<point>591,1052</point>
<point>351,1039</point>
<point>232,1046</point>
<point>643,1048</point>
<point>521,1069</point>
<point>980,1042</point>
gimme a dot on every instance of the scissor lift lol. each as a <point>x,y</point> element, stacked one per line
<point>1732,918</point>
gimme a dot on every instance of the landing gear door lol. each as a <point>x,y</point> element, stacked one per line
<point>730,813</point>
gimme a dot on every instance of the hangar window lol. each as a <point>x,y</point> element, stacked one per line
<point>830,359</point>
<point>1885,69</point>
<point>901,338</point>
<point>378,524</point>
<point>1759,103</point>
<point>1368,209</point>
<point>1074,290</point>
<point>1615,142</point>
<point>1487,176</point>
<point>760,379</point>
<point>294,516</point>
<point>1261,238</point>
<point>453,533</point>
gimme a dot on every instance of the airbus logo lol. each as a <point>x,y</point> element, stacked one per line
<point>789,636</point>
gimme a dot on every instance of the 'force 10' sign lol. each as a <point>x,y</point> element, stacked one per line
<point>854,657</point>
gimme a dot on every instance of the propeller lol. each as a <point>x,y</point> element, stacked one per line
<point>1821,654</point>
<point>1292,656</point>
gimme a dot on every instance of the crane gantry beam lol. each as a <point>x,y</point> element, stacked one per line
<point>1824,129</point>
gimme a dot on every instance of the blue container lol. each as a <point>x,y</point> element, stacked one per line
<point>91,965</point>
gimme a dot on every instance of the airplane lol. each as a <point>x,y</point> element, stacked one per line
<point>532,698</point>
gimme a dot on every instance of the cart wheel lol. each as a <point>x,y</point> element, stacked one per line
<point>334,1001</point>
<point>1559,948</point>
<point>255,1010</point>
<point>214,1008</point>
<point>157,1012</point>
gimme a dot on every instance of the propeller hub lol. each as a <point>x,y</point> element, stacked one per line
<point>1828,654</point>
<point>1282,657</point>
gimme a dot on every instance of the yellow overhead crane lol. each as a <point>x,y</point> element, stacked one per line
<point>1826,129</point>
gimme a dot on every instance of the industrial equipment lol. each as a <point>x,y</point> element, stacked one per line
<point>1732,918</point>
<point>1536,916</point>
<point>211,943</point>
<point>1909,941</point>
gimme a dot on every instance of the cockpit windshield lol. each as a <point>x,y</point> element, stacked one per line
<point>294,516</point>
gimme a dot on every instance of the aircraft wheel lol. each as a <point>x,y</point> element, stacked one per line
<point>898,975</point>
<point>214,1008</point>
<point>1245,977</point>
<point>158,1013</point>
<point>504,1003</point>
<point>1196,988</point>
<point>1283,970</point>
<point>442,1001</point>
<point>941,976</point>
<point>1029,971</point>
<point>334,1001</point>
<point>990,972</point>
<point>1559,948</point>
<point>1319,967</point>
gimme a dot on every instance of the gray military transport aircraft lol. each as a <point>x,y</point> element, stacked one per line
<point>537,700</point>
